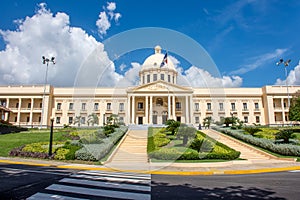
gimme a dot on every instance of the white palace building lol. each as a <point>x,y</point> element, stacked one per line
<point>157,98</point>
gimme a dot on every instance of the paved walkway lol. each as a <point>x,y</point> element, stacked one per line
<point>132,152</point>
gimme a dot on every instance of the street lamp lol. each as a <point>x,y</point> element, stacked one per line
<point>45,61</point>
<point>286,63</point>
<point>51,137</point>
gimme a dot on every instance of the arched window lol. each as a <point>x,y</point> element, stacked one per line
<point>159,102</point>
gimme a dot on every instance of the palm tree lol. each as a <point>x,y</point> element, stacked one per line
<point>285,134</point>
<point>186,132</point>
<point>172,125</point>
<point>207,122</point>
<point>113,120</point>
<point>93,119</point>
<point>77,120</point>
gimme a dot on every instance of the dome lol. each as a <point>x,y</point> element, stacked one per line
<point>155,60</point>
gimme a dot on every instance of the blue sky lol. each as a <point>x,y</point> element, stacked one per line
<point>244,38</point>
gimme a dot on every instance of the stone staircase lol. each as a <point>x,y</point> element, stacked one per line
<point>247,152</point>
<point>132,152</point>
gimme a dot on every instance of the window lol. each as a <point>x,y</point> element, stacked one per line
<point>71,106</point>
<point>197,120</point>
<point>221,106</point>
<point>140,105</point>
<point>169,78</point>
<point>70,120</point>
<point>173,79</point>
<point>40,119</point>
<point>178,105</point>
<point>148,78</point>
<point>27,119</point>
<point>245,106</point>
<point>58,120</point>
<point>96,106</point>
<point>121,107</point>
<point>121,119</point>
<point>108,106</point>
<point>256,106</point>
<point>154,77</point>
<point>143,79</point>
<point>208,106</point>
<point>196,106</point>
<point>257,120</point>
<point>41,105</point>
<point>246,119</point>
<point>29,105</point>
<point>16,118</point>
<point>159,102</point>
<point>17,105</point>
<point>232,106</point>
<point>284,105</point>
<point>83,106</point>
<point>58,106</point>
<point>82,120</point>
<point>162,77</point>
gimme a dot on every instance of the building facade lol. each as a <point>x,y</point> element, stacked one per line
<point>157,98</point>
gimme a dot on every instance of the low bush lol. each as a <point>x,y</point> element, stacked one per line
<point>160,139</point>
<point>95,152</point>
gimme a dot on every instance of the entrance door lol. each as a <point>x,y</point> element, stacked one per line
<point>178,119</point>
<point>154,119</point>
<point>140,120</point>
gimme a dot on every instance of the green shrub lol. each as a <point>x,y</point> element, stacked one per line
<point>196,144</point>
<point>60,154</point>
<point>150,144</point>
<point>160,139</point>
<point>252,130</point>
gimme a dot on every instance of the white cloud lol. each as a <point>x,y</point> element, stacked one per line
<point>48,34</point>
<point>103,23</point>
<point>293,77</point>
<point>111,6</point>
<point>105,17</point>
<point>122,67</point>
<point>197,77</point>
<point>260,61</point>
<point>131,77</point>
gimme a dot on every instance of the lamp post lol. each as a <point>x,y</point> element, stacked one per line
<point>286,63</point>
<point>45,61</point>
<point>51,137</point>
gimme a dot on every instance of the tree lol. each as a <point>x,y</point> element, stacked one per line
<point>93,119</point>
<point>113,120</point>
<point>207,122</point>
<point>251,130</point>
<point>186,132</point>
<point>230,120</point>
<point>285,134</point>
<point>77,120</point>
<point>294,110</point>
<point>172,125</point>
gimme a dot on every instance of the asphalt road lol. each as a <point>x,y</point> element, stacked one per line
<point>283,185</point>
<point>21,181</point>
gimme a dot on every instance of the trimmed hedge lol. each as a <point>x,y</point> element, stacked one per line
<point>283,149</point>
<point>7,128</point>
<point>95,152</point>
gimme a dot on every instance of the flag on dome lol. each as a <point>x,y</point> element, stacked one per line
<point>164,61</point>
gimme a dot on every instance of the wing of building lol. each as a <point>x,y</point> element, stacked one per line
<point>157,98</point>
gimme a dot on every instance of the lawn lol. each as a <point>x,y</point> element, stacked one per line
<point>12,140</point>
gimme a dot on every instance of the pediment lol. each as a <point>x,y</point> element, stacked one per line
<point>160,86</point>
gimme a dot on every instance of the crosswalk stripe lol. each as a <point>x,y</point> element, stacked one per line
<point>95,185</point>
<point>118,174</point>
<point>99,192</point>
<point>104,178</point>
<point>44,196</point>
<point>106,184</point>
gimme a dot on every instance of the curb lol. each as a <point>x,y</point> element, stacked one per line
<point>180,173</point>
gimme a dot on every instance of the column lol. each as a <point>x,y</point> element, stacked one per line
<point>151,112</point>
<point>191,108</point>
<point>7,106</point>
<point>283,111</point>
<point>169,107</point>
<point>146,110</point>
<point>128,110</point>
<point>133,110</point>
<point>187,109</point>
<point>31,111</point>
<point>173,107</point>
<point>19,112</point>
